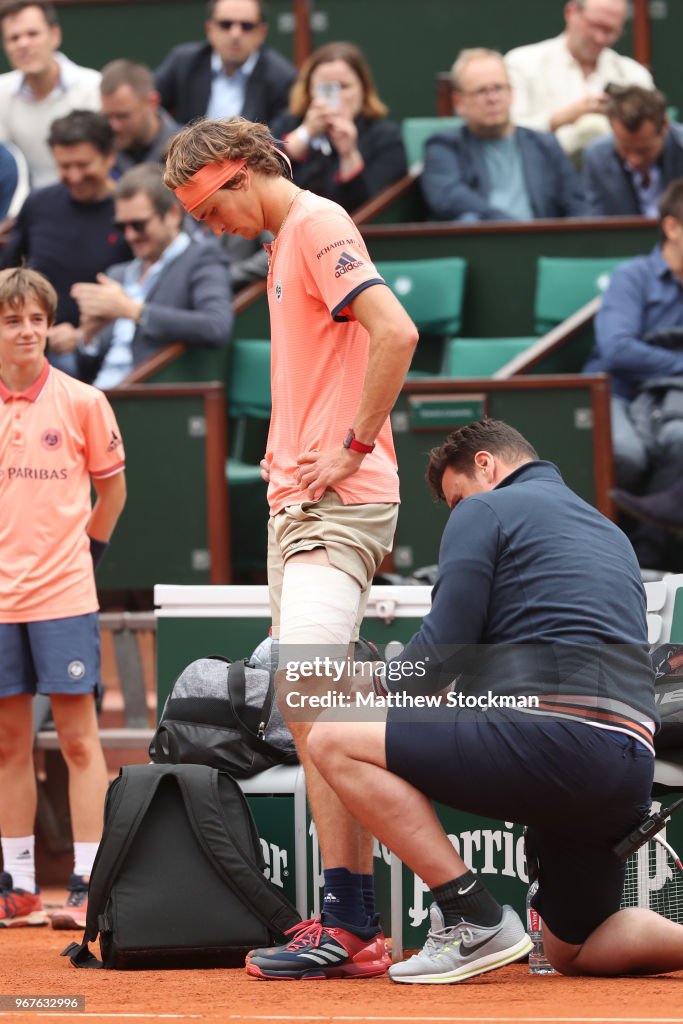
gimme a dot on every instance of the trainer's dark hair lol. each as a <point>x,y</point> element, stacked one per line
<point>631,105</point>
<point>148,180</point>
<point>10,7</point>
<point>460,447</point>
<point>82,126</point>
<point>261,4</point>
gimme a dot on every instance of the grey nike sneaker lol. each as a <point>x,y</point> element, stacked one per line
<point>464,950</point>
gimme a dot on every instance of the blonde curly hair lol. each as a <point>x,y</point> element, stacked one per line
<point>207,141</point>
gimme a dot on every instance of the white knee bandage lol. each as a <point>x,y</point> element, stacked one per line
<point>319,605</point>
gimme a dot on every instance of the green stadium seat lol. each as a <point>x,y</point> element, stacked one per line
<point>564,285</point>
<point>480,357</point>
<point>248,401</point>
<point>416,131</point>
<point>431,291</point>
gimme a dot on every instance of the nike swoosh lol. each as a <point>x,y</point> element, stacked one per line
<point>461,892</point>
<point>478,945</point>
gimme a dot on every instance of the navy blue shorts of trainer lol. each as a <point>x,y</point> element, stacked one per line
<point>55,656</point>
<point>579,789</point>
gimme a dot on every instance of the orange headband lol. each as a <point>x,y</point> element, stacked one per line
<point>206,181</point>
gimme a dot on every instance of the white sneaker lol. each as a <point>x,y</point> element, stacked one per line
<point>463,950</point>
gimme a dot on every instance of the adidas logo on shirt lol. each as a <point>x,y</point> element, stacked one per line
<point>345,263</point>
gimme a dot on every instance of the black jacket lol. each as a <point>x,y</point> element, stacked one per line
<point>184,83</point>
<point>380,145</point>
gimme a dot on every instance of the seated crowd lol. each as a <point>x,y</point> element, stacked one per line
<point>565,127</point>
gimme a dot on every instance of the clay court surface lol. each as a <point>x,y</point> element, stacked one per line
<point>30,965</point>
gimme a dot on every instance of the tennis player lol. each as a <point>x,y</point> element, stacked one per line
<point>539,601</point>
<point>341,347</point>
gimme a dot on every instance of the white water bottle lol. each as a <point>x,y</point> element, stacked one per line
<point>538,962</point>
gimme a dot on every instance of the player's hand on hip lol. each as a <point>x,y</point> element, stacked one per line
<point>320,470</point>
<point>264,465</point>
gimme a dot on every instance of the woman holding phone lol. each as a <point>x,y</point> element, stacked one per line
<point>336,133</point>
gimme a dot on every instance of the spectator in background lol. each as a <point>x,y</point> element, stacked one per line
<point>627,172</point>
<point>232,73</point>
<point>639,339</point>
<point>175,289</point>
<point>66,231</point>
<point>487,169</point>
<point>130,102</point>
<point>336,133</point>
<point>14,185</point>
<point>43,86</point>
<point>559,84</point>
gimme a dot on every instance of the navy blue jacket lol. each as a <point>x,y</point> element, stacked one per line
<point>184,83</point>
<point>68,241</point>
<point>455,180</point>
<point>531,563</point>
<point>608,185</point>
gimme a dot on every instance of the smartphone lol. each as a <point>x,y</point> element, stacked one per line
<point>329,93</point>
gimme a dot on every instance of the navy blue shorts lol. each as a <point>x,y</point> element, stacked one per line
<point>579,789</point>
<point>55,656</point>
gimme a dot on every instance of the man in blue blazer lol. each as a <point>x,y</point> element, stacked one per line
<point>232,73</point>
<point>176,288</point>
<point>488,169</point>
<point>627,172</point>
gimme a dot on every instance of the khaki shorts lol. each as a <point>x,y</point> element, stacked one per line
<point>355,537</point>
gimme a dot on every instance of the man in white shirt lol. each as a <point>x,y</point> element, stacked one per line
<point>559,83</point>
<point>43,86</point>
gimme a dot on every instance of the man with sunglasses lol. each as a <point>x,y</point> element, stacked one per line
<point>559,83</point>
<point>175,288</point>
<point>232,73</point>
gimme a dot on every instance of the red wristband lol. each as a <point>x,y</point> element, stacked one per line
<point>357,446</point>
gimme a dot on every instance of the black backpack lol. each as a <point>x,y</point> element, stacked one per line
<point>178,877</point>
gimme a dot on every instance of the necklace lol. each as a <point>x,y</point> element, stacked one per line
<point>284,219</point>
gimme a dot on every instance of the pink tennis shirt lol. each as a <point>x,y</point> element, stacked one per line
<point>53,439</point>
<point>318,265</point>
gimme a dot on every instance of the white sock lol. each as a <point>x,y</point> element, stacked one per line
<point>18,857</point>
<point>84,858</point>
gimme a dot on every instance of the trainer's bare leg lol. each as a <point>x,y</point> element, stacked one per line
<point>352,756</point>
<point>75,719</point>
<point>632,941</point>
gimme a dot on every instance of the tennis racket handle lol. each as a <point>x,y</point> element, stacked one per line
<point>634,840</point>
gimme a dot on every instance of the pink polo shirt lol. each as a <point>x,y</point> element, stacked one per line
<point>53,438</point>
<point>319,264</point>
